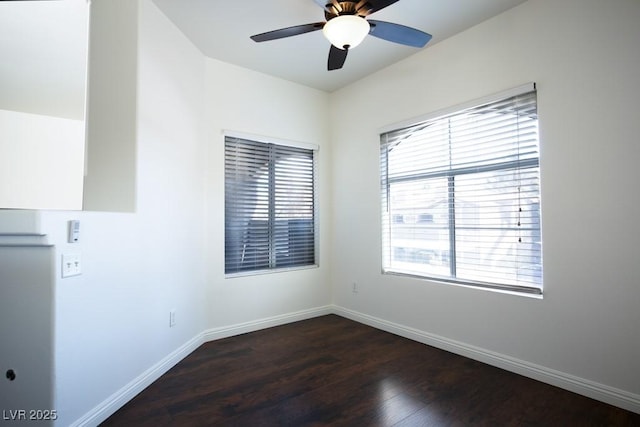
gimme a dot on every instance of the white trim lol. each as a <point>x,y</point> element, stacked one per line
<point>525,88</point>
<point>594,390</point>
<point>269,322</point>
<point>601,392</point>
<point>469,285</point>
<point>270,140</point>
<point>270,271</point>
<point>118,399</point>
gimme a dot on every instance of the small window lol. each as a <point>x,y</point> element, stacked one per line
<point>269,206</point>
<point>467,187</point>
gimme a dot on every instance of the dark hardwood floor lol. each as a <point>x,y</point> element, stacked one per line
<point>333,371</point>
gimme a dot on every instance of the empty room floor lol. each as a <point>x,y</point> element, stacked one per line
<point>333,371</point>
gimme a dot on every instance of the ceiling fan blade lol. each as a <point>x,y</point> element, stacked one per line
<point>287,32</point>
<point>398,33</point>
<point>336,58</point>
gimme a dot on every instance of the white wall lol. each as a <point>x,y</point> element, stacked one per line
<point>584,56</point>
<point>44,57</point>
<point>34,146</point>
<point>112,322</point>
<point>245,101</point>
<point>42,104</point>
<point>112,102</point>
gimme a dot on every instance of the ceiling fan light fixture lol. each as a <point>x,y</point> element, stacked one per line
<point>346,31</point>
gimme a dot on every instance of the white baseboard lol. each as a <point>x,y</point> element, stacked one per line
<point>255,325</point>
<point>563,380</point>
<point>129,391</point>
<point>601,392</point>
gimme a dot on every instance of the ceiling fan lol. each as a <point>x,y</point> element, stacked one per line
<point>347,25</point>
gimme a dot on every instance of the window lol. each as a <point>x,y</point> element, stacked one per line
<point>461,196</point>
<point>269,206</point>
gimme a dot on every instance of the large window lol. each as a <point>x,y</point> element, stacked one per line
<point>461,196</point>
<point>269,206</point>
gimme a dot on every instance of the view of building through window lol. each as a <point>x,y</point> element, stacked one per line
<point>461,198</point>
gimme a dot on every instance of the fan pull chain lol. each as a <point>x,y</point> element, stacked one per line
<point>519,217</point>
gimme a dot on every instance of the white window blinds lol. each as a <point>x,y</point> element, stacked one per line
<point>269,206</point>
<point>461,197</point>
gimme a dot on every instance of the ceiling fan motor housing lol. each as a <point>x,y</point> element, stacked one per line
<point>338,8</point>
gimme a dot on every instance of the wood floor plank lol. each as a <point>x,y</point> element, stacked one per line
<point>333,371</point>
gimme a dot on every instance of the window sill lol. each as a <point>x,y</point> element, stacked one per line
<point>269,271</point>
<point>521,291</point>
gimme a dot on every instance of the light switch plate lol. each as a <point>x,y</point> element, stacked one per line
<point>71,265</point>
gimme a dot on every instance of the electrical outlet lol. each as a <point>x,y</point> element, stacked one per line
<point>172,318</point>
<point>354,287</point>
<point>71,265</point>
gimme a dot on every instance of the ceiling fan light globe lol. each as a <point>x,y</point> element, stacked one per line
<point>346,31</point>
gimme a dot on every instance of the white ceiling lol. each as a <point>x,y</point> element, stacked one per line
<point>221,30</point>
<point>43,44</point>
